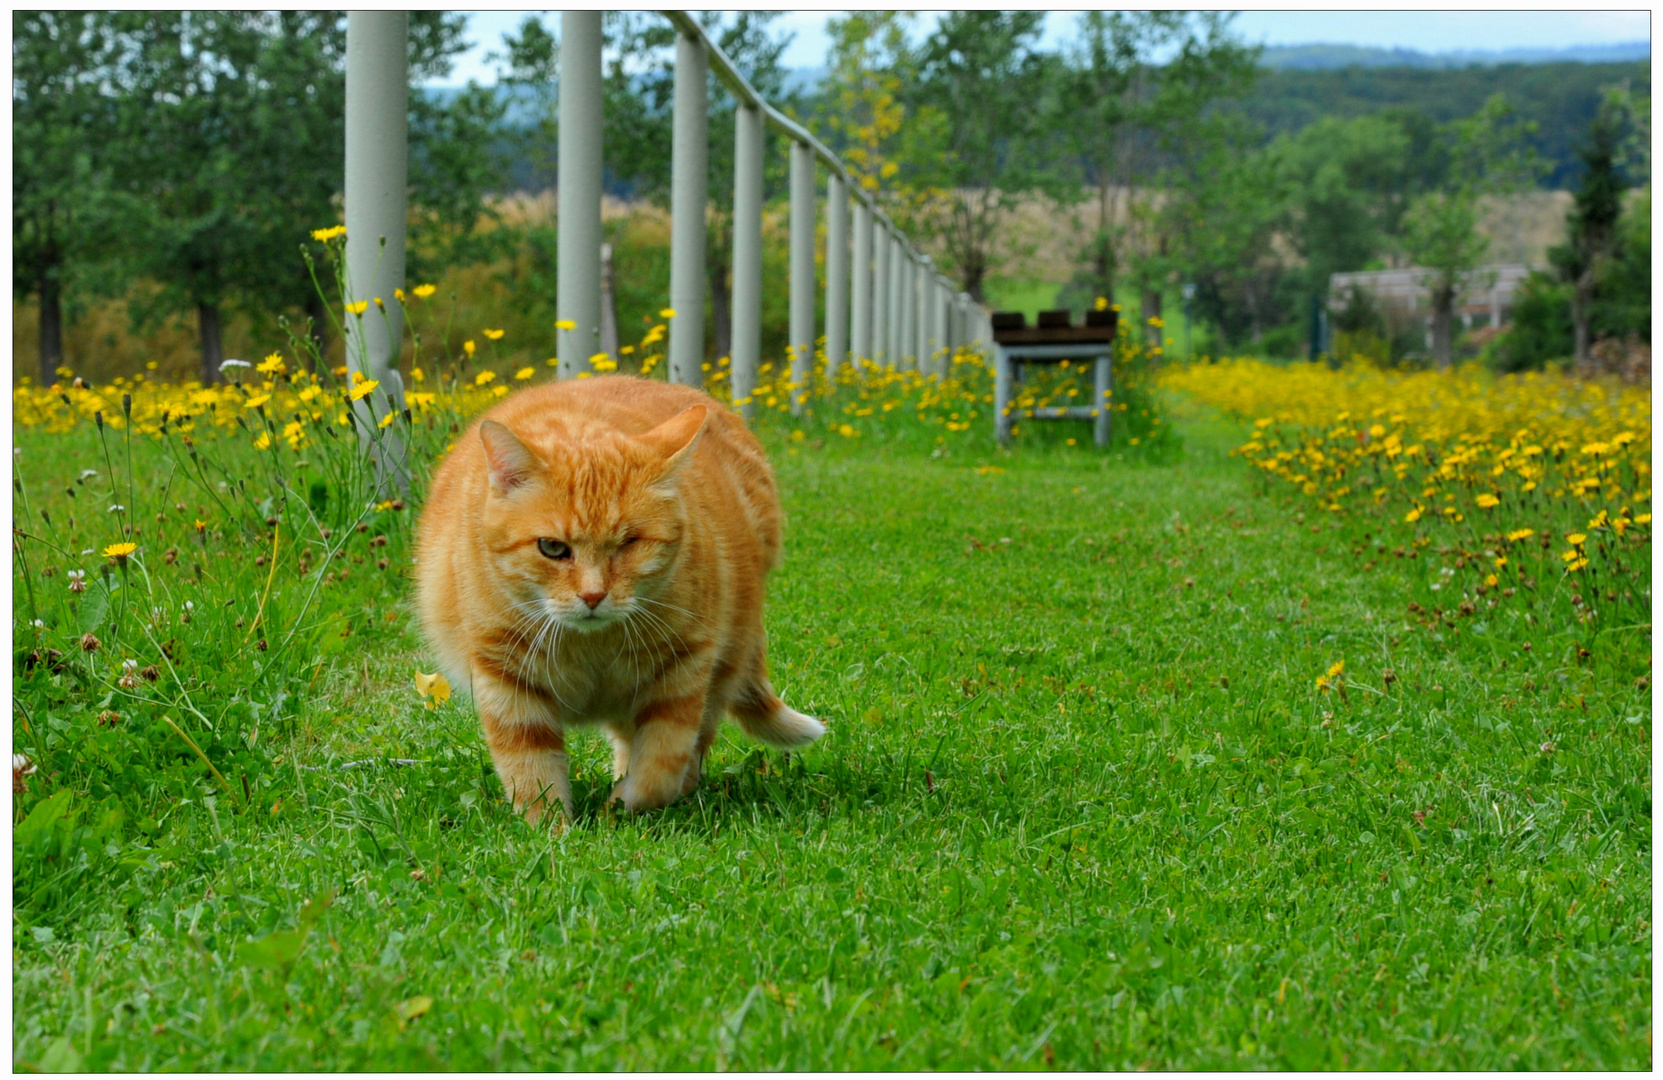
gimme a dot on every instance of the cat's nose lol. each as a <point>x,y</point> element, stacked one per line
<point>593,599</point>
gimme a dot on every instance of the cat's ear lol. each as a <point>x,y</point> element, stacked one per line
<point>511,462</point>
<point>674,439</point>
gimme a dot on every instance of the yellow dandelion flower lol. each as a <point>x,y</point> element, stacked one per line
<point>362,390</point>
<point>484,377</point>
<point>357,308</point>
<point>433,689</point>
<point>386,421</point>
<point>1488,502</point>
<point>262,441</point>
<point>469,347</point>
<point>271,365</point>
<point>524,373</point>
<point>667,313</point>
<point>565,324</point>
<point>494,335</point>
<point>121,550</point>
<point>422,292</point>
<point>1577,539</point>
<point>323,236</point>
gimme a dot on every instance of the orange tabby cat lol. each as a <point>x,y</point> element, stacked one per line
<point>594,552</point>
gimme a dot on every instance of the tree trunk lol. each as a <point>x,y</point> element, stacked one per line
<point>51,325</point>
<point>1582,302</point>
<point>1152,310</point>
<point>1443,307</point>
<point>1103,257</point>
<point>975,272</point>
<point>609,306</point>
<point>318,330</point>
<point>207,321</point>
<point>721,308</point>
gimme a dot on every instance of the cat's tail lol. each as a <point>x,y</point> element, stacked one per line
<point>764,717</point>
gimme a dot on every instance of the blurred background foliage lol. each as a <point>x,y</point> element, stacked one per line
<point>168,166</point>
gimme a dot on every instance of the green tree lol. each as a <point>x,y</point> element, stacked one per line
<point>1138,96</point>
<point>1488,156</point>
<point>61,114</point>
<point>981,72</point>
<point>233,150</point>
<point>1225,212</point>
<point>1347,186</point>
<point>860,105</point>
<point>1593,228</point>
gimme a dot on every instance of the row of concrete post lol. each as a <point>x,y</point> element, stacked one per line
<point>884,301</point>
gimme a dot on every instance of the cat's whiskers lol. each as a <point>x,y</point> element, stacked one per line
<point>667,633</point>
<point>667,606</point>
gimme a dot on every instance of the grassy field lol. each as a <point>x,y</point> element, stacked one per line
<point>1082,805</point>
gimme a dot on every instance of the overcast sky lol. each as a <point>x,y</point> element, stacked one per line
<point>1427,31</point>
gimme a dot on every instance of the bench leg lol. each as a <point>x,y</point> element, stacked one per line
<point>1104,405</point>
<point>1001,395</point>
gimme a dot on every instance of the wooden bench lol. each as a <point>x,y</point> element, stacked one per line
<point>1054,340</point>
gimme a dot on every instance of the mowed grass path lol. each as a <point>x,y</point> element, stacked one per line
<point>1081,806</point>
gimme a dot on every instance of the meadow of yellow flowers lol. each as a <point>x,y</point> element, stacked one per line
<point>1537,483</point>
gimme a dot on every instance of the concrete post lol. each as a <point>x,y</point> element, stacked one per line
<point>923,276</point>
<point>688,197</point>
<point>881,258</point>
<point>860,285</point>
<point>747,256</point>
<point>802,274</point>
<point>897,310</point>
<point>837,275</point>
<point>908,300</point>
<point>377,161</point>
<point>940,318</point>
<point>578,289</point>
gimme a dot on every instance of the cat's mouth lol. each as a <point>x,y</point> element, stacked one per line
<point>587,620</point>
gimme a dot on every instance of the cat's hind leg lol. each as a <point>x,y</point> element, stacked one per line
<point>764,717</point>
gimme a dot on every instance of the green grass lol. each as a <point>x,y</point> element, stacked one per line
<point>1019,294</point>
<point>1081,806</point>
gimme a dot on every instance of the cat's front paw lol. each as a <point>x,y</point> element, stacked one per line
<point>643,790</point>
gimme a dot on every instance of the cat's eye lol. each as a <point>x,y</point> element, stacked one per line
<point>628,540</point>
<point>554,549</point>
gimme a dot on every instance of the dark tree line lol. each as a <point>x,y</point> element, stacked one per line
<point>177,159</point>
<point>194,151</point>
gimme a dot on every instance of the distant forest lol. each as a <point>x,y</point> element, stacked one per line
<point>1561,99</point>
